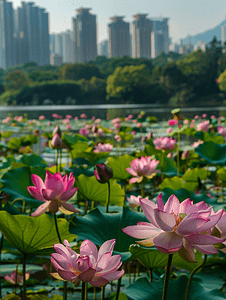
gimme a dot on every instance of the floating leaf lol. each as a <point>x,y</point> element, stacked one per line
<point>142,289</point>
<point>177,183</point>
<point>32,234</point>
<point>90,189</point>
<point>100,227</point>
<point>118,164</point>
<point>194,174</point>
<point>213,153</point>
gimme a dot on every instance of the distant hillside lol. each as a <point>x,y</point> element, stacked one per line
<point>207,35</point>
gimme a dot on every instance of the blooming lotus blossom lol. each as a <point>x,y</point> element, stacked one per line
<point>134,201</point>
<point>54,192</point>
<point>93,118</point>
<point>84,131</point>
<point>143,167</point>
<point>97,121</point>
<point>41,117</point>
<point>222,131</point>
<point>103,147</point>
<point>97,268</point>
<point>203,126</point>
<point>204,116</point>
<point>169,130</point>
<point>68,117</point>
<point>116,120</point>
<point>173,122</point>
<point>186,122</point>
<point>196,117</point>
<point>76,118</point>
<point>68,126</point>
<point>118,138</point>
<point>177,227</point>
<point>66,121</point>
<point>164,143</point>
<point>17,279</point>
<point>196,144</point>
<point>83,116</point>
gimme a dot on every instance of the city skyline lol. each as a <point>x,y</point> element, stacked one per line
<point>184,18</point>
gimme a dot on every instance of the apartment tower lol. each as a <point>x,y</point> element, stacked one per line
<point>141,36</point>
<point>84,37</point>
<point>118,38</point>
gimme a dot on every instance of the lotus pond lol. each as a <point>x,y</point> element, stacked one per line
<point>129,208</point>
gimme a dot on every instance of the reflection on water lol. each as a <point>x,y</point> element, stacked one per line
<point>161,111</point>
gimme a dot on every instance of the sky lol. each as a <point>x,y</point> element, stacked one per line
<point>186,17</point>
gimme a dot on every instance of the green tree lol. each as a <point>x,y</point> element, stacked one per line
<point>37,76</point>
<point>15,81</point>
<point>79,71</point>
<point>129,83</point>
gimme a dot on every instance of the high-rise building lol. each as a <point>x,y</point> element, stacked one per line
<point>161,24</point>
<point>84,36</point>
<point>66,45</point>
<point>157,43</point>
<point>200,45</point>
<point>32,34</point>
<point>52,43</point>
<point>103,48</point>
<point>56,59</point>
<point>59,44</point>
<point>7,37</point>
<point>141,36</point>
<point>118,38</point>
<point>223,35</point>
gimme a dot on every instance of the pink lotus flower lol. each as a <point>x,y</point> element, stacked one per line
<point>196,117</point>
<point>221,130</point>
<point>118,138</point>
<point>103,148</point>
<point>139,125</point>
<point>57,142</point>
<point>173,122</point>
<point>177,227</point>
<point>169,130</point>
<point>203,126</point>
<point>133,132</point>
<point>41,117</point>
<point>143,167</point>
<point>93,118</point>
<point>68,117</point>
<point>17,279</point>
<point>204,116</point>
<point>97,268</point>
<point>66,121</point>
<point>116,120</point>
<point>83,116</point>
<point>55,192</point>
<point>76,118</point>
<point>134,201</point>
<point>68,126</point>
<point>213,117</point>
<point>134,121</point>
<point>84,131</point>
<point>217,80</point>
<point>117,125</point>
<point>55,116</point>
<point>186,122</point>
<point>164,143</point>
<point>97,121</point>
<point>196,144</point>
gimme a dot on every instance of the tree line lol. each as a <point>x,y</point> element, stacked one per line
<point>169,79</point>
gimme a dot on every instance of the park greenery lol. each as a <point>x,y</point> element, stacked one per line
<point>171,79</point>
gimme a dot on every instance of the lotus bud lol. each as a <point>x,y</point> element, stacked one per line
<point>57,130</point>
<point>150,135</point>
<point>56,142</point>
<point>94,129</point>
<point>103,173</point>
<point>144,138</point>
<point>185,155</point>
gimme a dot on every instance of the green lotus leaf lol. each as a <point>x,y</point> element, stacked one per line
<point>121,296</point>
<point>142,289</point>
<point>6,134</point>
<point>213,153</point>
<point>73,139</point>
<point>99,227</point>
<point>32,234</point>
<point>183,194</point>
<point>152,258</point>
<point>14,143</point>
<point>221,173</point>
<point>30,139</point>
<point>150,150</point>
<point>16,181</point>
<point>177,183</point>
<point>193,174</point>
<point>80,170</point>
<point>32,160</point>
<point>210,137</point>
<point>90,189</point>
<point>170,168</point>
<point>118,164</point>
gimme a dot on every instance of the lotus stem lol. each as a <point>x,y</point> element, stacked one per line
<point>192,275</point>
<point>150,275</point>
<point>59,238</point>
<point>142,191</point>
<point>83,290</point>
<point>178,154</point>
<point>94,293</point>
<point>57,160</point>
<point>167,275</point>
<point>60,159</point>
<point>108,197</point>
<point>57,230</point>
<point>118,288</point>
<point>24,277</point>
<point>38,145</point>
<point>162,166</point>
<point>102,293</point>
